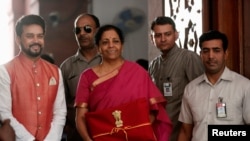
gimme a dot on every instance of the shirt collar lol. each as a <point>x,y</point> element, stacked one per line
<point>79,56</point>
<point>226,76</point>
<point>171,52</point>
<point>24,59</point>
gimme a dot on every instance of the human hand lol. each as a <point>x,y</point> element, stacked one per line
<point>6,131</point>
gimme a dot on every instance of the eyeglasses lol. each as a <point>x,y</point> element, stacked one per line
<point>86,28</point>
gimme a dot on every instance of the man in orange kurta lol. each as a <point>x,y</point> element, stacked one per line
<point>31,89</point>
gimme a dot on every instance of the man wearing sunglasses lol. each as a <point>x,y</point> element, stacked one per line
<point>85,27</point>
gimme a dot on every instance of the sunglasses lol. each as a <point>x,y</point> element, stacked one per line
<point>86,28</point>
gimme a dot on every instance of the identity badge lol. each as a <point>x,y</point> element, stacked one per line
<point>221,108</point>
<point>167,87</point>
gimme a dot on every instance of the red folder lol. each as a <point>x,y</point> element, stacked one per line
<point>127,122</point>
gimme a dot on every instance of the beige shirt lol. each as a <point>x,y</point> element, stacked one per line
<point>72,69</point>
<point>200,98</point>
<point>179,67</point>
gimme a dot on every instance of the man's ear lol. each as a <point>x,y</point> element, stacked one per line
<point>201,55</point>
<point>151,38</point>
<point>18,40</point>
<point>226,55</point>
<point>176,34</point>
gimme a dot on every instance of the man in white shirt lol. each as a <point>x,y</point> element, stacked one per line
<point>219,96</point>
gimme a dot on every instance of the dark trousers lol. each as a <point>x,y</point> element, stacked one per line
<point>71,134</point>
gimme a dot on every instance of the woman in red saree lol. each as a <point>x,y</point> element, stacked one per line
<point>116,100</point>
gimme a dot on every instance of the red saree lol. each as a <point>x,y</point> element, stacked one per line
<point>129,84</point>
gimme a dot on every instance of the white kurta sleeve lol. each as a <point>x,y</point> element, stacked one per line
<point>59,114</point>
<point>5,107</point>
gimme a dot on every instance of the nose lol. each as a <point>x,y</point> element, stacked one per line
<point>211,54</point>
<point>111,44</point>
<point>163,38</point>
<point>36,39</point>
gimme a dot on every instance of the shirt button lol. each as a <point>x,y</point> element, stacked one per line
<point>38,98</point>
<point>37,84</point>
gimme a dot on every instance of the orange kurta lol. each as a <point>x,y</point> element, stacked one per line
<point>33,89</point>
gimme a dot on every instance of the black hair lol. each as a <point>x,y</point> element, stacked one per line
<point>143,63</point>
<point>107,27</point>
<point>162,20</point>
<point>214,34</point>
<point>29,20</point>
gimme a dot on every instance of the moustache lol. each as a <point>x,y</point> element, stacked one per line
<point>83,37</point>
<point>35,44</point>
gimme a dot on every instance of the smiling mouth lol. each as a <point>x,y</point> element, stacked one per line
<point>35,47</point>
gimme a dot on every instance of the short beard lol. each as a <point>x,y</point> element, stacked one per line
<point>30,53</point>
